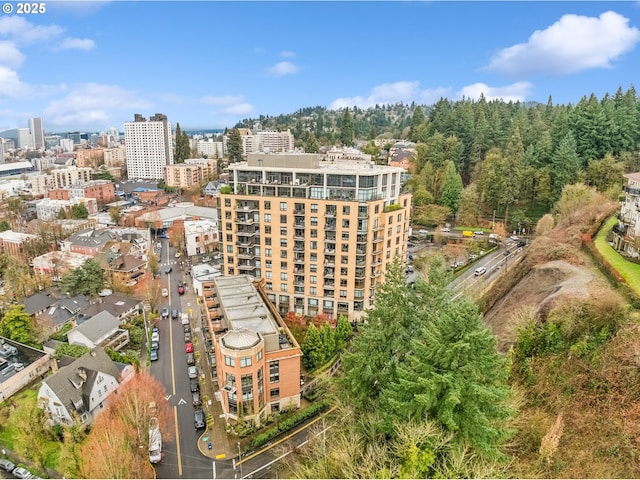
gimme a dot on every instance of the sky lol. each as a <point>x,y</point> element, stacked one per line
<point>88,66</point>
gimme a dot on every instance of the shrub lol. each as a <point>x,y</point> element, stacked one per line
<point>288,424</point>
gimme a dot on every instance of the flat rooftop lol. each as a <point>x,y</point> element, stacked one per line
<point>243,306</point>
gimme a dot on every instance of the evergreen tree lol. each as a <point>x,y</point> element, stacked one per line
<point>234,146</point>
<point>343,332</point>
<point>312,348</point>
<point>311,145</point>
<point>417,120</point>
<point>451,188</point>
<point>565,164</point>
<point>346,129</point>
<point>182,150</point>
<point>79,211</point>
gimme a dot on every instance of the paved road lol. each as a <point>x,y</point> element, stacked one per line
<point>181,456</point>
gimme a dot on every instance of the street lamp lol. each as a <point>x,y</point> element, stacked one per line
<point>239,458</point>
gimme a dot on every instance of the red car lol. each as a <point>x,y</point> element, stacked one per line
<point>189,347</point>
<point>180,288</point>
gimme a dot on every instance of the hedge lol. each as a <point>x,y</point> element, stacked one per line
<point>289,423</point>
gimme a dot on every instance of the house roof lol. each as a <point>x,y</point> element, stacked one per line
<point>55,308</point>
<point>73,383</point>
<point>116,304</point>
<point>98,326</point>
<point>92,237</point>
<point>633,176</point>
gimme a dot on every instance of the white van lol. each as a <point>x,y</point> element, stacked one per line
<point>480,271</point>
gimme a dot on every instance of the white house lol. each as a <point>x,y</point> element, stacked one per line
<point>79,391</point>
<point>201,236</point>
<point>102,329</point>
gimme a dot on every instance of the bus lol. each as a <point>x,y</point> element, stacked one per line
<point>155,441</point>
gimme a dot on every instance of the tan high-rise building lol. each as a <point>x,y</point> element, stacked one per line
<point>321,233</point>
<point>192,172</point>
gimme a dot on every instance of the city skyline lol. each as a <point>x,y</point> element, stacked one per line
<point>88,66</point>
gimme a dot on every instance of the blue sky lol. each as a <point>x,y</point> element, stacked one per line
<point>91,65</point>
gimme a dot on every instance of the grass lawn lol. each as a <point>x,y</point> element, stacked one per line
<point>628,270</point>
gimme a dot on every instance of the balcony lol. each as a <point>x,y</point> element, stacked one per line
<point>299,280</point>
<point>298,247</point>
<point>245,242</point>
<point>245,220</point>
<point>245,255</point>
<point>330,226</point>
<point>246,267</point>
<point>631,191</point>
<point>299,212</point>
<point>329,273</point>
<point>330,262</point>
<point>360,273</point>
<point>330,214</point>
<point>330,236</point>
<point>361,239</point>
<point>377,239</point>
<point>330,286</point>
<point>299,260</point>
<point>378,228</point>
<point>376,261</point>
<point>247,207</point>
<point>378,250</point>
<point>298,234</point>
<point>329,251</point>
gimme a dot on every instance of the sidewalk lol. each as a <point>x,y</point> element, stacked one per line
<point>223,445</point>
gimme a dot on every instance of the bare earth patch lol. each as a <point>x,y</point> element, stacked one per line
<point>539,290</point>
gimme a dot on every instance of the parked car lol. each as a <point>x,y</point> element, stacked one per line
<point>165,311</point>
<point>188,348</point>
<point>165,292</point>
<point>155,329</point>
<point>195,399</point>
<point>174,313</point>
<point>191,359</point>
<point>153,356</point>
<point>155,337</point>
<point>180,288</point>
<point>155,346</point>
<point>193,372</point>
<point>445,229</point>
<point>6,465</point>
<point>20,472</point>
<point>185,319</point>
<point>478,232</point>
<point>194,385</point>
<point>198,419</point>
<point>186,328</point>
<point>168,269</point>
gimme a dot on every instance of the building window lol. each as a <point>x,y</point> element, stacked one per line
<point>267,240</point>
<point>313,291</point>
<point>314,233</point>
<point>267,263</point>
<point>259,355</point>
<point>274,372</point>
<point>343,294</point>
<point>283,242</point>
<point>346,210</point>
<point>283,254</point>
<point>267,205</point>
<point>227,226</point>
<point>267,217</point>
<point>313,245</point>
<point>268,274</point>
<point>313,268</point>
<point>314,221</point>
<point>327,304</point>
<point>314,208</point>
<point>269,286</point>
<point>345,235</point>
<point>274,392</point>
<point>283,230</point>
<point>229,361</point>
<point>284,287</point>
<point>275,407</point>
<point>345,223</point>
<point>283,276</point>
<point>227,202</point>
<point>267,252</point>
<point>398,229</point>
<point>283,265</point>
<point>283,219</point>
<point>313,279</point>
<point>246,362</point>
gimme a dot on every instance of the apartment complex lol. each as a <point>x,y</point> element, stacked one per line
<point>149,146</point>
<point>321,233</point>
<point>210,148</point>
<point>89,157</point>
<point>190,173</point>
<point>628,228</point>
<point>257,357</point>
<point>63,177</point>
<point>115,157</point>
<point>201,236</point>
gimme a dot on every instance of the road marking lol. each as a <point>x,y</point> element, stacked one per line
<point>175,420</point>
<point>167,397</point>
<point>182,401</point>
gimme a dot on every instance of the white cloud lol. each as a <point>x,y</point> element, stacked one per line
<point>391,93</point>
<point>238,109</point>
<point>76,44</point>
<point>10,84</point>
<point>22,31</point>
<point>572,44</point>
<point>10,56</point>
<point>92,104</point>
<point>516,92</point>
<point>222,100</point>
<point>287,54</point>
<point>283,68</point>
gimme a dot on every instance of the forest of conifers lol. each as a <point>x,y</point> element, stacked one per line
<point>477,158</point>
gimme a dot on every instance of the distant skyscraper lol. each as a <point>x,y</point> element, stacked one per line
<point>37,132</point>
<point>115,133</point>
<point>149,146</point>
<point>25,140</point>
<point>1,151</point>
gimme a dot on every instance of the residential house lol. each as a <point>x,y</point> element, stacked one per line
<point>201,236</point>
<point>79,391</point>
<point>118,305</point>
<point>102,330</point>
<point>52,310</point>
